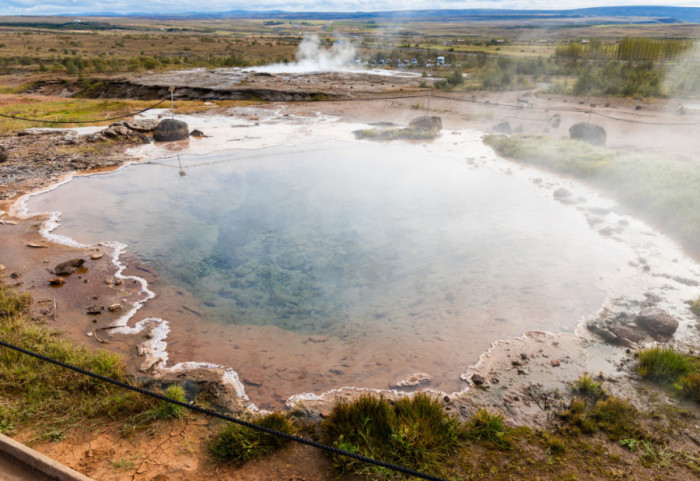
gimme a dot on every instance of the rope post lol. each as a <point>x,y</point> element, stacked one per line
<point>172,102</point>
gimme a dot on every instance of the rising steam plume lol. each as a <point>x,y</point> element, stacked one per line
<point>313,57</point>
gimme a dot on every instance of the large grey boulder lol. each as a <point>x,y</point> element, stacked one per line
<point>591,133</point>
<point>656,322</point>
<point>3,154</point>
<point>427,122</point>
<point>171,129</point>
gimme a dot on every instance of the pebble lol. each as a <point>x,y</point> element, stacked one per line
<point>109,281</point>
<point>2,267</point>
<point>556,363</point>
<point>114,308</point>
<point>57,281</point>
<point>94,257</point>
<point>118,282</point>
<point>478,379</point>
<point>37,246</point>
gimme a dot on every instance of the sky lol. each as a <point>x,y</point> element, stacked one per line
<point>77,7</point>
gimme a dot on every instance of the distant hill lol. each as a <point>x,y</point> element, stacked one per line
<point>631,14</point>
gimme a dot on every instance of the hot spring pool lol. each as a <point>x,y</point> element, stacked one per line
<point>417,258</point>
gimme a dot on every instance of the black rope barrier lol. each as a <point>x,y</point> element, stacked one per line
<point>84,121</point>
<point>209,412</point>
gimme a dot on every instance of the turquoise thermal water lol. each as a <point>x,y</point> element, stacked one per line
<point>344,234</point>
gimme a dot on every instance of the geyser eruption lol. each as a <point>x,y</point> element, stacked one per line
<point>314,57</point>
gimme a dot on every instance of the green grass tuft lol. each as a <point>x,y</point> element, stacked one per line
<point>489,428</point>
<point>587,386</point>
<point>664,365</point>
<point>695,306</point>
<point>238,444</point>
<point>165,410</point>
<point>690,386</point>
<point>414,432</point>
<point>613,416</point>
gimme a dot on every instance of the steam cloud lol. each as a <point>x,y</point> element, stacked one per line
<point>313,57</point>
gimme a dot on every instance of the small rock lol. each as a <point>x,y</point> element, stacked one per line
<point>325,414</point>
<point>517,363</point>
<point>197,133</point>
<point>524,356</point>
<point>97,256</point>
<point>15,275</point>
<point>2,267</point>
<point>114,308</point>
<point>252,382</point>
<point>94,310</point>
<point>68,267</point>
<point>118,282</point>
<point>109,281</point>
<point>4,156</point>
<point>556,363</point>
<point>36,246</point>
<point>478,379</point>
<point>57,281</point>
<point>561,193</point>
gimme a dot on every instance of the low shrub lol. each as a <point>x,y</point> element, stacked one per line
<point>238,444</point>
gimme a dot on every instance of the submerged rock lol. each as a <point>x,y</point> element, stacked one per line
<point>426,122</point>
<point>561,194</point>
<point>503,128</point>
<point>656,322</point>
<point>171,129</point>
<point>417,379</point>
<point>68,267</point>
<point>591,133</point>
<point>197,133</point>
<point>618,330</point>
